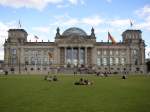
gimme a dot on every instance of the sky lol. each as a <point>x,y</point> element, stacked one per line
<point>42,17</point>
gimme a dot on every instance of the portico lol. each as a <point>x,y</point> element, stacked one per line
<point>75,47</point>
<point>75,55</point>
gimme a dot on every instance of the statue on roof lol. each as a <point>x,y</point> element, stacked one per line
<point>92,32</point>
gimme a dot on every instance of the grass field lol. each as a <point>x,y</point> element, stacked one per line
<point>24,93</point>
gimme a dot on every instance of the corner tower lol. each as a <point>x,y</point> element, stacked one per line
<point>136,49</point>
<point>13,49</point>
<point>17,36</point>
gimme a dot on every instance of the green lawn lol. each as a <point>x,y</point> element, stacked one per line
<point>31,93</point>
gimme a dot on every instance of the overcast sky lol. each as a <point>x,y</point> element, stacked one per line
<point>42,17</point>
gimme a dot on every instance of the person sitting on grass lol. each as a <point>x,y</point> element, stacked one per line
<point>6,72</point>
<point>45,77</point>
<point>97,73</point>
<point>80,82</point>
<point>123,77</point>
<point>83,82</point>
<point>106,74</point>
<point>90,83</point>
<point>86,81</point>
<point>55,78</point>
<point>49,78</point>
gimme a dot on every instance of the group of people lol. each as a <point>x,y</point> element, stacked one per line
<point>105,74</point>
<point>83,82</point>
<point>50,78</point>
<point>102,74</point>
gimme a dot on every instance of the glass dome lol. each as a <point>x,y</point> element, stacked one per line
<point>74,31</point>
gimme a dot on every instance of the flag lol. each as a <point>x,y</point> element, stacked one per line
<point>36,37</point>
<point>131,23</point>
<point>50,55</point>
<point>111,38</point>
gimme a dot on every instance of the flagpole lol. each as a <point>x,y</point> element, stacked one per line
<point>19,24</point>
<point>108,54</point>
<point>131,24</point>
<point>35,60</point>
<point>109,57</point>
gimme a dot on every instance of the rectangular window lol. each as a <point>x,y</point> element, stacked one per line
<point>105,52</point>
<point>32,60</point>
<point>123,52</point>
<point>46,61</point>
<point>13,51</point>
<point>111,53</point>
<point>98,61</point>
<point>135,52</point>
<point>39,61</point>
<point>117,61</point>
<point>111,61</point>
<point>117,52</point>
<point>105,61</point>
<point>123,61</point>
<point>14,60</point>
<point>38,52</point>
<point>26,52</point>
<point>45,52</point>
<point>26,60</point>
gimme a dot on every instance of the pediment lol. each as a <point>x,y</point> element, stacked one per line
<point>75,39</point>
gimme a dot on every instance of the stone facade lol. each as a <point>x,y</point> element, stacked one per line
<point>74,49</point>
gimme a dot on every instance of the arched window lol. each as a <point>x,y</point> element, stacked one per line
<point>105,52</point>
<point>98,52</point>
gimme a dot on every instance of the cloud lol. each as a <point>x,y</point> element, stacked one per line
<point>5,26</point>
<point>147,52</point>
<point>66,20</point>
<point>143,25</point>
<point>93,21</point>
<point>44,29</point>
<point>43,32</point>
<point>4,34</point>
<point>109,1</point>
<point>75,2</point>
<point>119,22</point>
<point>144,14</point>
<point>63,5</point>
<point>39,4</point>
<point>36,4</point>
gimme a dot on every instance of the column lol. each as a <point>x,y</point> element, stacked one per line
<point>65,55</point>
<point>22,55</point>
<point>6,56</point>
<point>72,55</point>
<point>142,56</point>
<point>9,57</point>
<point>79,55</point>
<point>85,55</point>
<point>19,59</point>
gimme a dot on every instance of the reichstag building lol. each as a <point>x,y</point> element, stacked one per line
<point>74,49</point>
